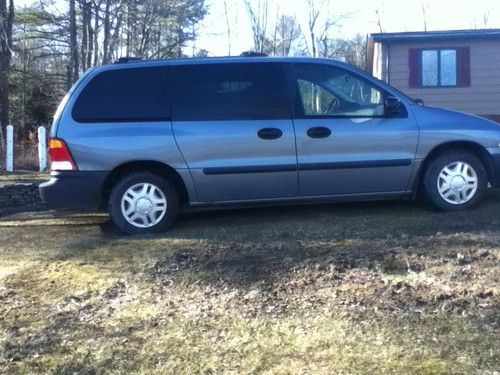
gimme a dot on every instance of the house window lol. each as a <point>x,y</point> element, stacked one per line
<point>439,67</point>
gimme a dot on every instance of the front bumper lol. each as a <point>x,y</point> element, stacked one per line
<point>76,190</point>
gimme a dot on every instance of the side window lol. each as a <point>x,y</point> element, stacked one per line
<point>246,91</point>
<point>328,91</point>
<point>125,95</point>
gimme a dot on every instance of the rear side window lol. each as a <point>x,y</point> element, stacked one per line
<point>125,95</point>
<point>250,91</point>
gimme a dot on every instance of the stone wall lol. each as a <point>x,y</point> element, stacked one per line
<point>16,195</point>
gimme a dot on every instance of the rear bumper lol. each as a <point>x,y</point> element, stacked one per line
<point>76,190</point>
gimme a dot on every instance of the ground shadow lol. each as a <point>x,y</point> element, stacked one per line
<point>247,246</point>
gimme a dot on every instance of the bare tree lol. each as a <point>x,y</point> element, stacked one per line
<point>87,34</point>
<point>272,36</point>
<point>73,67</point>
<point>107,31</point>
<point>379,21</point>
<point>97,25</point>
<point>228,27</point>
<point>288,32</point>
<point>6,22</point>
<point>258,21</point>
<point>424,14</point>
<point>320,23</point>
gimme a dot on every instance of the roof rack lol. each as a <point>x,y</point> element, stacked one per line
<point>253,54</point>
<point>127,59</point>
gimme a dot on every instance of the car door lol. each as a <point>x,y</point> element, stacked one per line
<point>233,125</point>
<point>346,142</point>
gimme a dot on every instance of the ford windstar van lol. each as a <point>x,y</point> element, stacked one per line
<point>143,139</point>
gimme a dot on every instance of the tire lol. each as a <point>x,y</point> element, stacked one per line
<point>454,181</point>
<point>143,203</point>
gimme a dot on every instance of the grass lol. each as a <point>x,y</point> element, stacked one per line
<point>23,176</point>
<point>378,288</point>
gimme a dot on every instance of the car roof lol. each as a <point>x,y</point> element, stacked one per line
<point>124,62</point>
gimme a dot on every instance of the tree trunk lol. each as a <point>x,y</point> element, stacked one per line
<point>115,38</point>
<point>6,20</point>
<point>85,30</point>
<point>73,65</point>
<point>90,50</point>
<point>228,28</point>
<point>97,9</point>
<point>107,32</point>
<point>87,35</point>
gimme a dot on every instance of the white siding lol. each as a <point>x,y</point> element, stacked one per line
<point>481,98</point>
<point>380,61</point>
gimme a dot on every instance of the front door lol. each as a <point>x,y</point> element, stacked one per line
<point>233,125</point>
<point>346,143</point>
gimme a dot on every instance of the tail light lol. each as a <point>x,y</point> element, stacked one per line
<point>60,156</point>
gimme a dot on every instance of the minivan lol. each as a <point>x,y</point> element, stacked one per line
<point>147,139</point>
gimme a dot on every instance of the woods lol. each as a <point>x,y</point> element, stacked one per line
<point>46,45</point>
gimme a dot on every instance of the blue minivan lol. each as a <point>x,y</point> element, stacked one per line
<point>145,139</point>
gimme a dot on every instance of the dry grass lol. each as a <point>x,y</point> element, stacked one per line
<point>358,288</point>
<point>23,176</point>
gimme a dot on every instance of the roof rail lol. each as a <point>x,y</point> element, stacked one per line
<point>253,54</point>
<point>127,59</point>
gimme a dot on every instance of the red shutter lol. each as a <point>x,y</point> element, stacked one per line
<point>414,67</point>
<point>463,66</point>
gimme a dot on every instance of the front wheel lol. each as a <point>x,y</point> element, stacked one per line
<point>455,181</point>
<point>142,203</point>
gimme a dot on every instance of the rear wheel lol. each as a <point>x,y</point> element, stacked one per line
<point>455,181</point>
<point>142,203</point>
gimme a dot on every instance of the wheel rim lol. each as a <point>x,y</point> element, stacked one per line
<point>457,183</point>
<point>143,205</point>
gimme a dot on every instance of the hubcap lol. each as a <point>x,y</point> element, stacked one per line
<point>143,205</point>
<point>457,183</point>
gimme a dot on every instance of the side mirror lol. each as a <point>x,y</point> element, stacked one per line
<point>418,101</point>
<point>392,105</point>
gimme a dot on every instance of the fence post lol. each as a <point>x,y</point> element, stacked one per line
<point>42,148</point>
<point>9,166</point>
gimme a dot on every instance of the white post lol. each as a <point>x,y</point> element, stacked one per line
<point>42,148</point>
<point>10,149</point>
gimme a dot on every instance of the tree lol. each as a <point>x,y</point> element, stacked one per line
<point>38,77</point>
<point>352,51</point>
<point>379,21</point>
<point>6,22</point>
<point>319,25</point>
<point>258,20</point>
<point>73,67</point>
<point>272,38</point>
<point>424,14</point>
<point>228,27</point>
<point>288,32</point>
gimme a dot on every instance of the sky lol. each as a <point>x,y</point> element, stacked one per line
<point>354,16</point>
<point>357,16</point>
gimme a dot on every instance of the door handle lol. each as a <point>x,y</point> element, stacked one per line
<point>319,132</point>
<point>270,133</point>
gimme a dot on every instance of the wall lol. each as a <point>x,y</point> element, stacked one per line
<point>18,195</point>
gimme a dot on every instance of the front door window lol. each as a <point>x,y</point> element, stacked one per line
<point>325,91</point>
